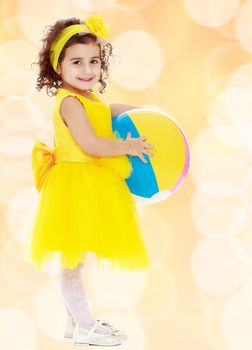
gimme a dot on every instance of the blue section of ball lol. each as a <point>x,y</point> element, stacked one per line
<point>142,182</point>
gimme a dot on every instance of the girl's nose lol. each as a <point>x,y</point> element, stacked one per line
<point>87,69</point>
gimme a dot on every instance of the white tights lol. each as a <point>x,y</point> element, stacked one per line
<point>75,298</point>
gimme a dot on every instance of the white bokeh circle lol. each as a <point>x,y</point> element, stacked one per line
<point>25,336</point>
<point>211,13</point>
<point>142,60</point>
<point>215,267</point>
<point>243,25</point>
<point>215,216</point>
<point>235,319</point>
<point>95,5</point>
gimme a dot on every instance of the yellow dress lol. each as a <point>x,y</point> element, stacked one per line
<point>84,204</point>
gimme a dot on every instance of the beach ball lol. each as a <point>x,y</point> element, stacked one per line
<point>165,172</point>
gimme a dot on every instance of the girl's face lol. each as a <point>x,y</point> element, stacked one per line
<point>81,67</point>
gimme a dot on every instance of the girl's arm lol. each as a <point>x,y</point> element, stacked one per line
<point>117,109</point>
<point>74,116</point>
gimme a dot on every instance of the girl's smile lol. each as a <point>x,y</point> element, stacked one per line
<point>85,79</point>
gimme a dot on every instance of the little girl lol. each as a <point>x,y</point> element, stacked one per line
<point>84,203</point>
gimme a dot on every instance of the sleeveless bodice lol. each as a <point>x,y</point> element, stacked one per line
<point>97,111</point>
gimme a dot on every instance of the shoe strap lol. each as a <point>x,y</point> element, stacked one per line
<point>94,327</point>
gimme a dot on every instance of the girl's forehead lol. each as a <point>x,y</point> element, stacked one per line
<point>90,49</point>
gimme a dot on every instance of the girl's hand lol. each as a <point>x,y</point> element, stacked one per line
<point>139,146</point>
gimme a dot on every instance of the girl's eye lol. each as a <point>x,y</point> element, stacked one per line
<point>76,62</point>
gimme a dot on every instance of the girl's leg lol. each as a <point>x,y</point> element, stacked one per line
<point>68,311</point>
<point>75,298</point>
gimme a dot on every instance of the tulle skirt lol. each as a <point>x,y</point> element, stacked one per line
<point>85,208</point>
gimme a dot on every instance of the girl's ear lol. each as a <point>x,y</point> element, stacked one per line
<point>58,69</point>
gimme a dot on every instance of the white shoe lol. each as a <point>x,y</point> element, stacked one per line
<point>70,324</point>
<point>83,336</point>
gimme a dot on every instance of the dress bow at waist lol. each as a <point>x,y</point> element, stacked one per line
<point>43,158</point>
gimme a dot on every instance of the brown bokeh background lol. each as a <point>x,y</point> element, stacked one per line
<point>192,59</point>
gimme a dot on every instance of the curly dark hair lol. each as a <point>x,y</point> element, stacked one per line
<point>47,76</point>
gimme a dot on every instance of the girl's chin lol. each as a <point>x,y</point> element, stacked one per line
<point>84,85</point>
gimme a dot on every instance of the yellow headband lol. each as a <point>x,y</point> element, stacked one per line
<point>93,24</point>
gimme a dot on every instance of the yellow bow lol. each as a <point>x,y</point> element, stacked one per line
<point>43,159</point>
<point>97,26</point>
